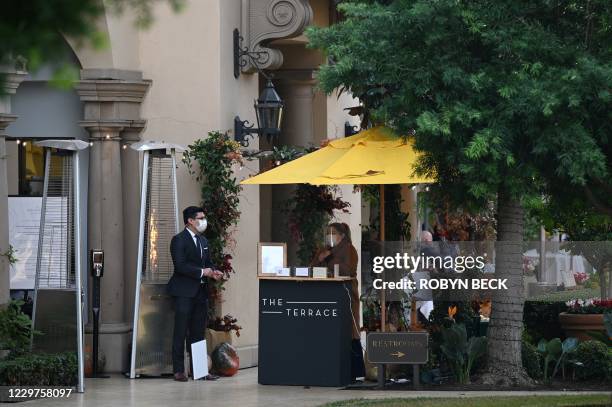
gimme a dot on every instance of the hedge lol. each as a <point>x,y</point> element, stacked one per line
<point>39,370</point>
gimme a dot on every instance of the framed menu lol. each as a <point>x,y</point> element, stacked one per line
<point>271,258</point>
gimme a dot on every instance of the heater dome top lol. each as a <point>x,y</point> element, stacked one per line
<point>147,145</point>
<point>73,145</point>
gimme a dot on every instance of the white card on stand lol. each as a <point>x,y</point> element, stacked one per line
<point>199,359</point>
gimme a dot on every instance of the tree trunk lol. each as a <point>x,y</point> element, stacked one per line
<point>609,273</point>
<point>603,289</point>
<point>504,365</point>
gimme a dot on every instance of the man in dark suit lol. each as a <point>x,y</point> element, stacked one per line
<point>188,285</point>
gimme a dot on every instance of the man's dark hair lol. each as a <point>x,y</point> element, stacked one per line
<point>191,212</point>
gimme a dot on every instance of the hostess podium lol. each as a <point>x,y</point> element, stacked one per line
<point>304,331</point>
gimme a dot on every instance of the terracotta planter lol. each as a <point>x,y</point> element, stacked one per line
<point>577,325</point>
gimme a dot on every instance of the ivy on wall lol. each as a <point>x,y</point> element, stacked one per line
<point>210,161</point>
<point>310,210</point>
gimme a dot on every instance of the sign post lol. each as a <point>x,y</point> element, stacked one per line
<point>399,348</point>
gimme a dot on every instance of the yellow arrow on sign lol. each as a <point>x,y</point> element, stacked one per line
<point>398,354</point>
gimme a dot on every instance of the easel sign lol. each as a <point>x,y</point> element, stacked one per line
<point>271,258</point>
<point>399,348</point>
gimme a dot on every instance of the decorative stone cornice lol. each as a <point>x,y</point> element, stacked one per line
<point>12,80</point>
<point>112,99</point>
<point>131,133</point>
<point>100,130</point>
<point>268,20</point>
<point>5,120</point>
<point>112,90</point>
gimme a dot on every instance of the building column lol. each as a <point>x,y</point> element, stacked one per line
<point>112,100</point>
<point>11,82</point>
<point>301,124</point>
<point>301,127</point>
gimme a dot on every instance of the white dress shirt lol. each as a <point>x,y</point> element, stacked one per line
<point>195,241</point>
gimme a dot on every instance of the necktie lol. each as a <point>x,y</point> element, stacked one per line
<point>198,245</point>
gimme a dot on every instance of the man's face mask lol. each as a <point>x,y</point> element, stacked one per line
<point>201,225</point>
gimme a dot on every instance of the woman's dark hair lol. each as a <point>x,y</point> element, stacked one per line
<point>343,229</point>
<point>191,212</point>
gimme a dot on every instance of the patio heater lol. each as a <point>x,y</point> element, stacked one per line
<point>58,285</point>
<point>159,222</point>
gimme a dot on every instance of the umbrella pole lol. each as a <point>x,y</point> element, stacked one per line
<point>383,300</point>
<point>383,308</point>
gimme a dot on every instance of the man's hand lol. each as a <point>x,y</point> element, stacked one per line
<point>214,274</point>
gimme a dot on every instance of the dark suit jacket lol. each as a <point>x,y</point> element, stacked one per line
<point>188,265</point>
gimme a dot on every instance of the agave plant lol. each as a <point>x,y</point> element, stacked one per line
<point>460,352</point>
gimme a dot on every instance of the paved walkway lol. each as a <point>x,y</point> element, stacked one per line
<point>241,390</point>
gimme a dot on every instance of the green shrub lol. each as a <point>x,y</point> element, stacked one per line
<point>541,319</point>
<point>460,352</point>
<point>15,328</point>
<point>532,360</point>
<point>593,361</point>
<point>39,370</point>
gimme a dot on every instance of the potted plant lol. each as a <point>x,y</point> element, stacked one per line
<point>220,331</point>
<point>583,316</point>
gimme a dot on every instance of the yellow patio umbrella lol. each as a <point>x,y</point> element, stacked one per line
<point>372,156</point>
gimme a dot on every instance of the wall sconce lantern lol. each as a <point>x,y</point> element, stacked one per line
<point>269,112</point>
<point>268,107</point>
<point>349,129</point>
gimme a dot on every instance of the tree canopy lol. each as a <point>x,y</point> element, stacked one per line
<point>508,100</point>
<point>498,93</point>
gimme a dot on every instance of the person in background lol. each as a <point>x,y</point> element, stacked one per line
<point>339,250</point>
<point>427,246</point>
<point>189,286</point>
<point>428,249</point>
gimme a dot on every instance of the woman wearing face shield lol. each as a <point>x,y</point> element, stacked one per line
<point>340,253</point>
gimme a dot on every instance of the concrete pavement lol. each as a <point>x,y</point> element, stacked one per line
<point>241,390</point>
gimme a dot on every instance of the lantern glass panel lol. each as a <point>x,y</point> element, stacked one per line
<point>269,117</point>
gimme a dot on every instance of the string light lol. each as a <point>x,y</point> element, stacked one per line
<point>108,136</point>
<point>18,141</point>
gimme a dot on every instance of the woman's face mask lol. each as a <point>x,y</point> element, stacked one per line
<point>332,239</point>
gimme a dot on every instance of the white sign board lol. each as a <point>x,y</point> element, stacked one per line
<point>272,259</point>
<point>199,358</point>
<point>24,225</point>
